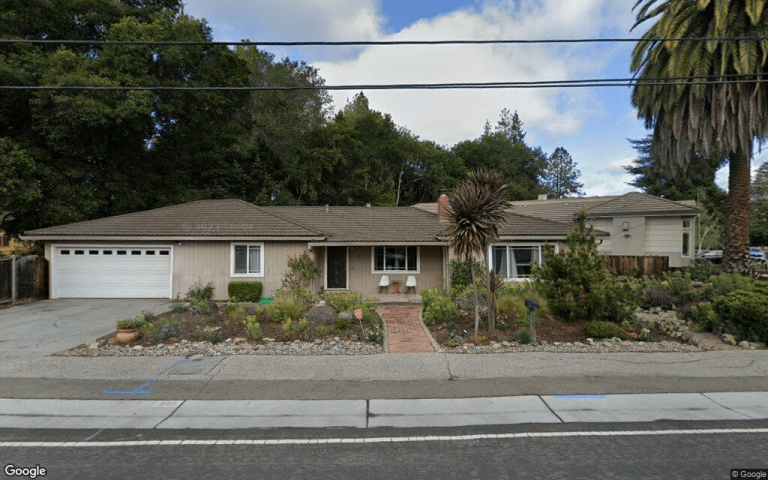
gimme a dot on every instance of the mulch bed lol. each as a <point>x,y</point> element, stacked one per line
<point>548,328</point>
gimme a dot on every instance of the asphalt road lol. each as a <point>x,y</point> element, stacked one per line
<point>664,450</point>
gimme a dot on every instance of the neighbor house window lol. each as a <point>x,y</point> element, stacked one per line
<point>5,241</point>
<point>395,259</point>
<point>515,261</point>
<point>686,251</point>
<point>247,260</point>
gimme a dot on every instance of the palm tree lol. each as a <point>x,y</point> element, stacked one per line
<point>698,117</point>
<point>475,214</point>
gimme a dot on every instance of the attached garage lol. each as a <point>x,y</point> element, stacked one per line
<point>109,271</point>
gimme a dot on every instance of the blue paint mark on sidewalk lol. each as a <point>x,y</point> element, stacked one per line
<point>138,391</point>
<point>580,397</point>
<point>179,363</point>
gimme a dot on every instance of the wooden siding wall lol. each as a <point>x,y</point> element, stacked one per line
<point>361,279</point>
<point>210,261</point>
<point>663,237</point>
<point>604,224</point>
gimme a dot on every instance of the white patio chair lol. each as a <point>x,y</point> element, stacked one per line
<point>410,282</point>
<point>384,283</point>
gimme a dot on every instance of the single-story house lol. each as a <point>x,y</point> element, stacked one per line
<point>159,253</point>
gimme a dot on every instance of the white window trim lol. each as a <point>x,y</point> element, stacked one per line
<point>325,272</point>
<point>232,259</point>
<point>396,272</point>
<point>689,231</point>
<point>541,256</point>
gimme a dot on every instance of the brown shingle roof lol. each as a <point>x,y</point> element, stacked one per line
<point>366,224</point>
<point>204,218</point>
<point>524,226</point>
<point>635,203</point>
<point>558,210</point>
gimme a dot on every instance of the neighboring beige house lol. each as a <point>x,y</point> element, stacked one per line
<point>159,253</point>
<point>6,241</point>
<point>638,224</point>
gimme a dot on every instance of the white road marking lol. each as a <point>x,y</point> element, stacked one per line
<point>432,438</point>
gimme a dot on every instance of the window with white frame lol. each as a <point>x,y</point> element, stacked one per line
<point>247,260</point>
<point>395,259</point>
<point>515,261</point>
<point>686,250</point>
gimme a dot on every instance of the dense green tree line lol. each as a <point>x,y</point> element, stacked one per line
<point>67,156</point>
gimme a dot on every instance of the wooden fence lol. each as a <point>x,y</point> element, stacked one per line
<point>649,266</point>
<point>23,279</point>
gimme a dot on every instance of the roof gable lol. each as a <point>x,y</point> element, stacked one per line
<point>635,203</point>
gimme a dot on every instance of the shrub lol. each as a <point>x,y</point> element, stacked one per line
<point>443,310</point>
<point>209,335</point>
<point>302,269</point>
<point>283,308</point>
<point>726,283</point>
<point>244,291</point>
<point>704,315</point>
<point>461,273</point>
<point>147,317</point>
<point>501,325</point>
<point>428,295</point>
<point>656,297</point>
<point>576,282</point>
<point>350,301</point>
<point>514,306</point>
<point>198,293</point>
<point>524,336</point>
<point>645,335</point>
<point>177,307</point>
<point>235,311</point>
<point>341,323</point>
<point>600,329</point>
<point>744,314</point>
<point>293,328</point>
<point>253,327</point>
<point>201,307</point>
<point>129,323</point>
<point>701,271</point>
<point>161,329</point>
<point>376,335</point>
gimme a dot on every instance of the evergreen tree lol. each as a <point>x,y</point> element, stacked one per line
<point>510,126</point>
<point>561,175</point>
<point>758,219</point>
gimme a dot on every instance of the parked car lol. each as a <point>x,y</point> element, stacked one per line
<point>755,253</point>
<point>714,256</point>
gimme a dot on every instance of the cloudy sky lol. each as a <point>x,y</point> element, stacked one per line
<point>593,124</point>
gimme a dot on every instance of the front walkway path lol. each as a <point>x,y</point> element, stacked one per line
<point>404,332</point>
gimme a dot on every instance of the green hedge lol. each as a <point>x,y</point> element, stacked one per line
<point>744,314</point>
<point>244,291</point>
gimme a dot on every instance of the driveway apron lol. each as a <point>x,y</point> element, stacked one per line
<point>404,331</point>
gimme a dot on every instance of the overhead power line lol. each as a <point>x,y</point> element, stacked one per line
<point>580,83</point>
<point>267,43</point>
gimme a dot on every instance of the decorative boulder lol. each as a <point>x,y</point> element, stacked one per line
<point>321,315</point>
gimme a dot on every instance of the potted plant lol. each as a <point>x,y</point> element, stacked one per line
<point>127,331</point>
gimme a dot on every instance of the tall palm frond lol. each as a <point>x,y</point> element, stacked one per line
<point>729,108</point>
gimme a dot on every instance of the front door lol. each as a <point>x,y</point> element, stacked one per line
<point>336,267</point>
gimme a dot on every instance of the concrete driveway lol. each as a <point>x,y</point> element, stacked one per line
<point>50,326</point>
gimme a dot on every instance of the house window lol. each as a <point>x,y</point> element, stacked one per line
<point>395,259</point>
<point>515,261</point>
<point>5,241</point>
<point>247,260</point>
<point>686,250</point>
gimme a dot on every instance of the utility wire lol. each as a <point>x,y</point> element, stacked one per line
<point>597,82</point>
<point>374,42</point>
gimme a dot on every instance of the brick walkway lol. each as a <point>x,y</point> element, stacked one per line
<point>404,332</point>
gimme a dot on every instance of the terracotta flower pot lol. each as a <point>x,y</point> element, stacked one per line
<point>127,335</point>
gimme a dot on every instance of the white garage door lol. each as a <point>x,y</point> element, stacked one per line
<point>112,272</point>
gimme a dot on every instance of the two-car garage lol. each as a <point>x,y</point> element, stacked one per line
<point>111,271</point>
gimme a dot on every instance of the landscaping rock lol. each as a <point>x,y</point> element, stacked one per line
<point>729,339</point>
<point>321,315</point>
<point>744,344</point>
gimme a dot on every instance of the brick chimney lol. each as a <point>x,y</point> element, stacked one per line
<point>442,206</point>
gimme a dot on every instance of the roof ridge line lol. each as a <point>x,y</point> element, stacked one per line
<point>277,215</point>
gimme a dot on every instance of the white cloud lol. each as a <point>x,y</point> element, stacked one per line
<point>448,116</point>
<point>612,179</point>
